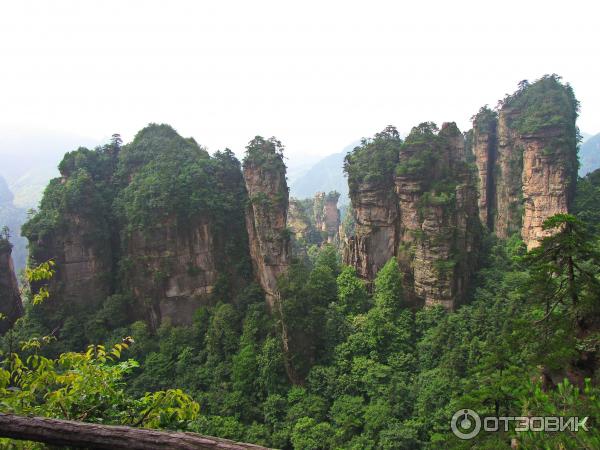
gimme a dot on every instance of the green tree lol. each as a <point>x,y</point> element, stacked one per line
<point>352,292</point>
<point>388,287</point>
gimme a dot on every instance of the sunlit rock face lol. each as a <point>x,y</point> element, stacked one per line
<point>526,156</point>
<point>425,215</point>
<point>439,227</point>
<point>266,217</point>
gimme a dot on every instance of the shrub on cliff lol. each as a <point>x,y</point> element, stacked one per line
<point>374,160</point>
<point>267,153</point>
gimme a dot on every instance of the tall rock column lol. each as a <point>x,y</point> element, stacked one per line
<point>375,233</point>
<point>484,151</point>
<point>318,209</point>
<point>370,169</point>
<point>266,213</point>
<point>547,178</point>
<point>507,178</point>
<point>11,306</point>
<point>527,171</point>
<point>439,227</point>
<point>331,217</point>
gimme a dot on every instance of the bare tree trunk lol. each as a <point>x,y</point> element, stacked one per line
<point>95,436</point>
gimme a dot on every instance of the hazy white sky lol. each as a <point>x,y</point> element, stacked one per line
<point>317,75</point>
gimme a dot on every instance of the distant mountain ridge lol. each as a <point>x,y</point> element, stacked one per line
<point>325,176</point>
<point>589,155</point>
<point>13,217</point>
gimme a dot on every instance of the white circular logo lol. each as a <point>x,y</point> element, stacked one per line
<point>466,424</point>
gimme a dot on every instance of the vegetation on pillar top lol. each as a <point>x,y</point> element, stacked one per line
<point>267,153</point>
<point>485,120</point>
<point>332,196</point>
<point>374,160</point>
<point>419,151</point>
<point>158,175</point>
<point>541,106</point>
<point>5,244</point>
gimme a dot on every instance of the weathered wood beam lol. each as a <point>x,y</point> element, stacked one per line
<point>96,436</point>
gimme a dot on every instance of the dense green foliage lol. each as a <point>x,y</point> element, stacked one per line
<point>88,386</point>
<point>587,201</point>
<point>419,151</point>
<point>378,375</point>
<point>266,153</point>
<point>541,105</point>
<point>374,160</point>
<point>485,120</point>
<point>337,364</point>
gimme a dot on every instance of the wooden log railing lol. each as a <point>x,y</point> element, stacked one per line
<point>97,436</point>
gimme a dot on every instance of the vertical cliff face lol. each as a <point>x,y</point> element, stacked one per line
<point>370,170</point>
<point>175,267</point>
<point>157,226</point>
<point>420,206</point>
<point>83,264</point>
<point>331,218</point>
<point>375,231</point>
<point>547,182</point>
<point>266,213</point>
<point>527,168</point>
<point>77,238</point>
<point>484,150</point>
<point>438,215</point>
<point>508,171</point>
<point>11,306</point>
